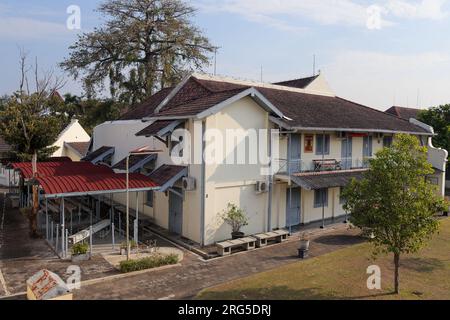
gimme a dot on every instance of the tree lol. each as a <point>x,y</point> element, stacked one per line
<point>145,45</point>
<point>30,124</point>
<point>394,203</point>
<point>439,119</point>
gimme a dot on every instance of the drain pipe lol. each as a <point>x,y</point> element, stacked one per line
<point>203,182</point>
<point>269,207</point>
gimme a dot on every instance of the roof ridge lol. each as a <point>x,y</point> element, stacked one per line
<point>250,83</point>
<point>379,111</point>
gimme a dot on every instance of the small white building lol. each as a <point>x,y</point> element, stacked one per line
<point>324,142</point>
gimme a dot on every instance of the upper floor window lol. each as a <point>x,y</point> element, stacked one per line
<point>367,146</point>
<point>322,144</point>
<point>387,141</point>
<point>320,198</point>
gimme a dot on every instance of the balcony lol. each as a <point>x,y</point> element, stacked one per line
<point>321,165</point>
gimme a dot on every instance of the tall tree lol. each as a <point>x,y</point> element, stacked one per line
<point>144,45</point>
<point>30,124</point>
<point>394,203</point>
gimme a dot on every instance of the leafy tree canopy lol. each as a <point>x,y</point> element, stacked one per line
<point>394,203</point>
<point>144,45</point>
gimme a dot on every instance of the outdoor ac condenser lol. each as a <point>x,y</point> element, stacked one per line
<point>262,186</point>
<point>189,183</point>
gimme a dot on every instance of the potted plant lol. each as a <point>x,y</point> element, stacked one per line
<point>303,246</point>
<point>236,218</point>
<point>80,252</point>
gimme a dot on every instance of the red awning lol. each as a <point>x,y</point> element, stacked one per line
<point>45,169</point>
<point>80,185</point>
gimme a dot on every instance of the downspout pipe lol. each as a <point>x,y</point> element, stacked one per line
<point>269,207</point>
<point>203,188</point>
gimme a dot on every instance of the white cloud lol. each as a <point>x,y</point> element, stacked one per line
<point>381,80</point>
<point>425,9</point>
<point>30,29</point>
<point>291,14</point>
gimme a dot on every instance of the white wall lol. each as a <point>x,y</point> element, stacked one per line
<point>235,183</point>
<point>74,132</point>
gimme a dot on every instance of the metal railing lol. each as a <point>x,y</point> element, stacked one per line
<point>319,165</point>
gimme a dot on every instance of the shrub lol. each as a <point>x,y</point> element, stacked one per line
<point>235,217</point>
<point>133,245</point>
<point>80,248</point>
<point>153,261</point>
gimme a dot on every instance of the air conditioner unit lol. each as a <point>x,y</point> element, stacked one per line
<point>189,184</point>
<point>262,186</point>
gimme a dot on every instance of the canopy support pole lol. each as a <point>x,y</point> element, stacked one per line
<point>63,229</point>
<point>136,234</point>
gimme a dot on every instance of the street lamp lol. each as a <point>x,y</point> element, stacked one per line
<point>141,151</point>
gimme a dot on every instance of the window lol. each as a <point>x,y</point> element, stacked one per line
<point>309,142</point>
<point>341,198</point>
<point>149,199</point>
<point>387,141</point>
<point>367,146</point>
<point>322,144</point>
<point>320,198</point>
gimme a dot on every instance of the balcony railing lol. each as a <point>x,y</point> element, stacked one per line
<point>319,165</point>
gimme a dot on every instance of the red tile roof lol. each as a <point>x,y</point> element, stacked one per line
<point>147,107</point>
<point>404,113</point>
<point>306,110</point>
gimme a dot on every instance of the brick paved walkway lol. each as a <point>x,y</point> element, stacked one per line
<point>194,274</point>
<point>21,257</point>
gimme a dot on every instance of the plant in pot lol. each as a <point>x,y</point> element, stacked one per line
<point>80,252</point>
<point>303,245</point>
<point>236,218</point>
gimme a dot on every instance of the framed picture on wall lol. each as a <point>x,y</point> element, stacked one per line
<point>309,143</point>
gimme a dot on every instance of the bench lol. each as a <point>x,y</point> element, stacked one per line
<point>224,248</point>
<point>326,165</point>
<point>277,235</point>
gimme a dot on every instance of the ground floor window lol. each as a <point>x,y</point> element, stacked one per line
<point>320,198</point>
<point>387,141</point>
<point>149,199</point>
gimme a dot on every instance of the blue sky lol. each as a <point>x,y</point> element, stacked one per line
<point>376,52</point>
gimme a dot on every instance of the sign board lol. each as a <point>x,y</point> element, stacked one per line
<point>46,285</point>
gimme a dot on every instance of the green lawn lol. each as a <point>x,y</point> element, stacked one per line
<point>342,275</point>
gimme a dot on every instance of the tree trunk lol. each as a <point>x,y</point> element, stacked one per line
<point>396,272</point>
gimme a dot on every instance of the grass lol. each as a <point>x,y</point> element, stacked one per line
<point>342,275</point>
<point>154,261</point>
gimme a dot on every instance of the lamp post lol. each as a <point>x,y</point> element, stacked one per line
<point>140,151</point>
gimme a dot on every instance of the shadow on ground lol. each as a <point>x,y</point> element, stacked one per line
<point>340,239</point>
<point>426,265</point>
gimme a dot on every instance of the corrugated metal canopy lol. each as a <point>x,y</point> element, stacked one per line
<point>322,180</point>
<point>58,168</point>
<point>167,175</point>
<point>136,162</point>
<point>81,185</point>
